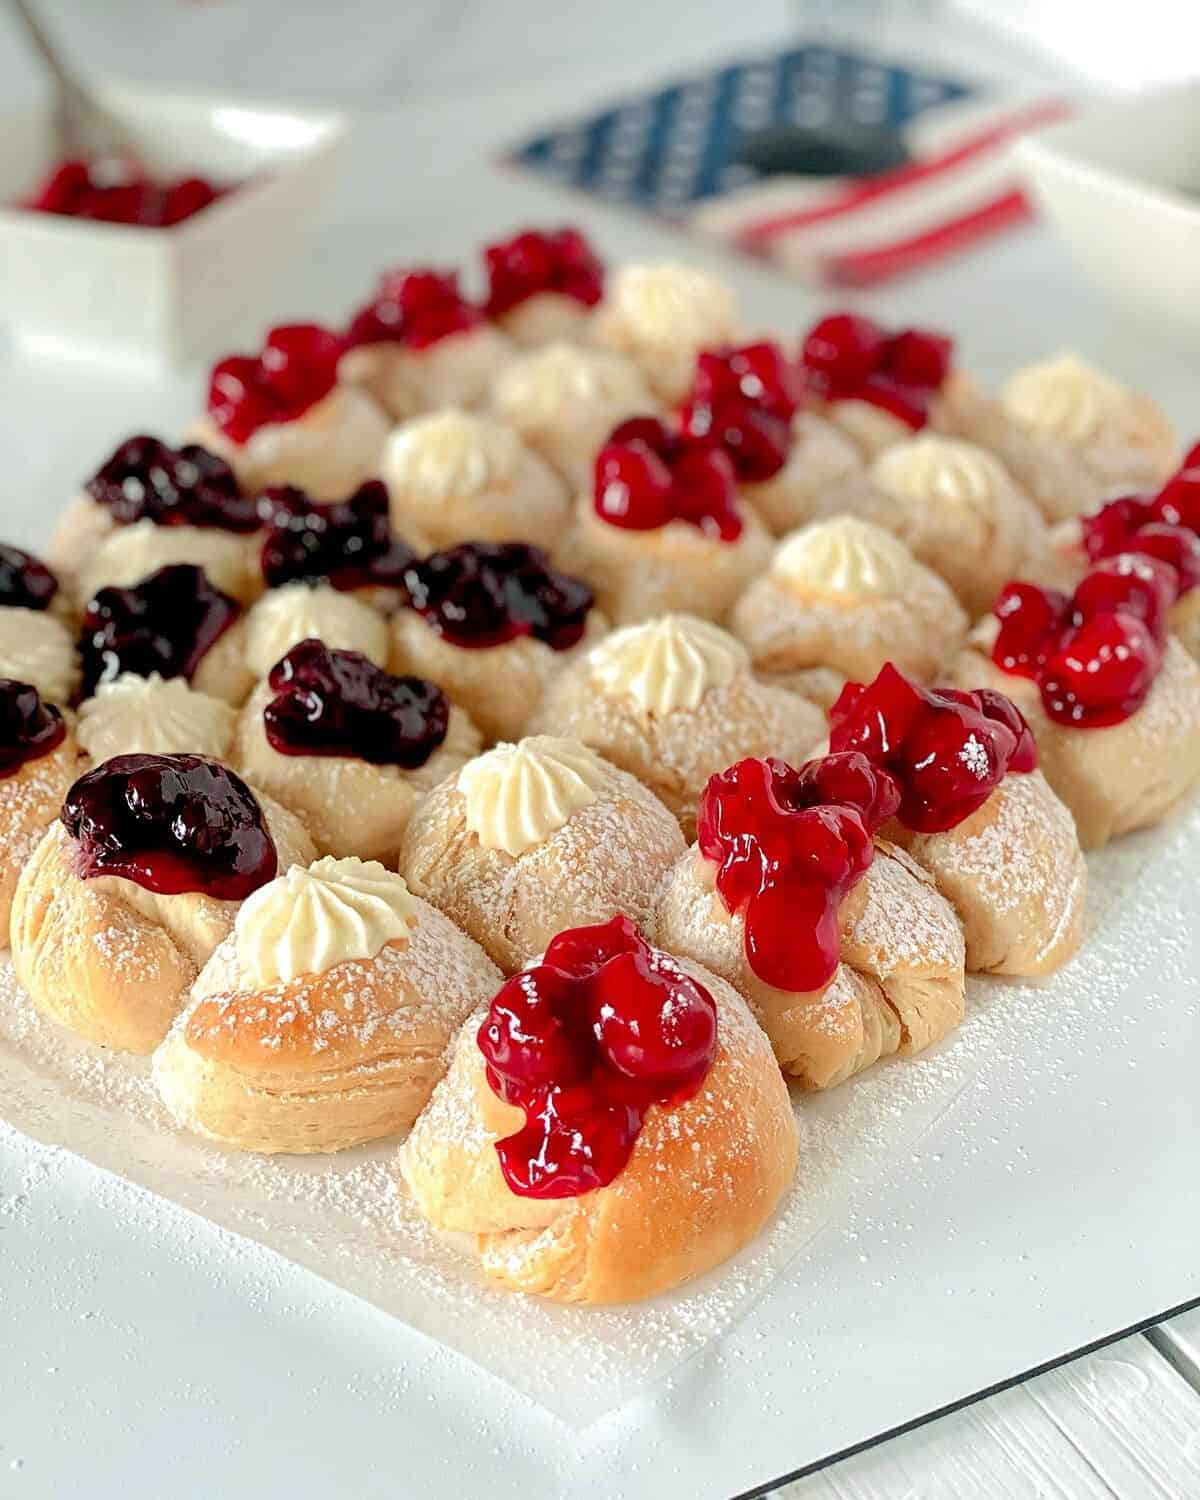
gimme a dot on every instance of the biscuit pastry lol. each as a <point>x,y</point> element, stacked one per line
<point>661,317</point>
<point>976,813</point>
<point>672,701</point>
<point>349,748</point>
<point>608,1162</point>
<point>492,623</point>
<point>842,946</point>
<point>419,345</point>
<point>663,529</point>
<point>840,598</point>
<point>530,838</point>
<point>281,417</point>
<point>563,400</point>
<point>1072,436</point>
<point>39,759</point>
<point>1112,698</point>
<point>543,285</point>
<point>323,1019</point>
<point>454,476</point>
<point>125,897</point>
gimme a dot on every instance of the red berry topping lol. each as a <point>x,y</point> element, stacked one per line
<point>170,823</point>
<point>585,1043</point>
<point>845,358</point>
<point>1178,502</point>
<point>1102,672</point>
<point>348,544</point>
<point>1130,583</point>
<point>145,480</point>
<point>947,750</point>
<point>340,703</point>
<point>536,260</point>
<point>416,308</point>
<point>25,583</point>
<point>482,594</point>
<point>165,624</point>
<point>789,845</point>
<point>120,192</point>
<point>1111,528</point>
<point>29,728</point>
<point>743,400</point>
<point>296,369</point>
<point>1031,620</point>
<point>1177,546</point>
<point>646,475</point>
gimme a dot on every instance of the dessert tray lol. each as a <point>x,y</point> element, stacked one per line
<point>751,697</point>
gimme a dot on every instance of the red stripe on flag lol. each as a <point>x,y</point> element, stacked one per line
<point>868,190</point>
<point>862,267</point>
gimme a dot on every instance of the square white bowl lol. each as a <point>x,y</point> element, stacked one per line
<point>162,295</point>
<point>1121,183</point>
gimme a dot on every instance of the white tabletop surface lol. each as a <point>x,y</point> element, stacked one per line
<point>143,1352</point>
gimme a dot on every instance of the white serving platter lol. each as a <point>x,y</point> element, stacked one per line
<point>1051,1203</point>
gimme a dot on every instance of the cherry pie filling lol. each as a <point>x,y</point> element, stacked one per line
<point>414,308</point>
<point>536,260</point>
<point>743,400</point>
<point>145,480</point>
<point>585,1043</point>
<point>170,823</point>
<point>1095,655</point>
<point>296,369</point>
<point>25,583</point>
<point>348,544</point>
<point>849,358</point>
<point>947,750</point>
<point>483,594</point>
<point>340,703</point>
<point>1165,526</point>
<point>789,846</point>
<point>29,728</point>
<point>165,624</point>
<point>120,192</point>
<point>646,476</point>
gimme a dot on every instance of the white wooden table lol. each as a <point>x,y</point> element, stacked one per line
<point>1122,1422</point>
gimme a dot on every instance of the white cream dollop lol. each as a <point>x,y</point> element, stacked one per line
<point>285,616</point>
<point>306,921</point>
<point>37,648</point>
<point>674,304</point>
<point>536,387</point>
<point>845,560</point>
<point>153,716</point>
<point>130,553</point>
<point>518,795</point>
<point>939,471</point>
<point>1065,397</point>
<point>669,663</point>
<point>450,453</point>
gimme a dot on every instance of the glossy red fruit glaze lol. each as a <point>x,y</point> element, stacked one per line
<point>170,823</point>
<point>416,308</point>
<point>1110,529</point>
<point>845,357</point>
<point>1177,546</point>
<point>120,193</point>
<point>542,260</point>
<point>29,728</point>
<point>646,475</point>
<point>165,624</point>
<point>744,400</point>
<point>947,750</point>
<point>1102,672</point>
<point>145,480</point>
<point>1031,620</point>
<point>25,583</point>
<point>296,369</point>
<point>1178,502</point>
<point>1131,582</point>
<point>789,845</point>
<point>348,543</point>
<point>482,594</point>
<point>340,703</point>
<point>585,1043</point>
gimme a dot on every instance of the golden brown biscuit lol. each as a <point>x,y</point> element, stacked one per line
<point>30,799</point>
